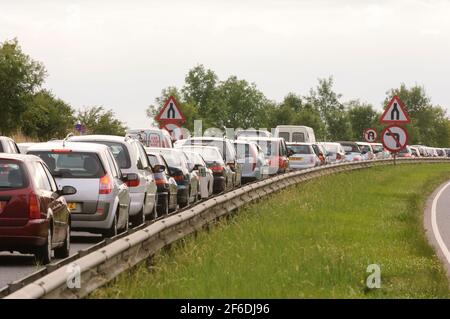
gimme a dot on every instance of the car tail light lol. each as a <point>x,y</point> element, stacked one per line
<point>178,178</point>
<point>133,183</point>
<point>217,169</point>
<point>34,209</point>
<point>105,185</point>
<point>160,181</point>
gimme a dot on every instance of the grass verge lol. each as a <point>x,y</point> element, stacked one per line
<point>314,240</point>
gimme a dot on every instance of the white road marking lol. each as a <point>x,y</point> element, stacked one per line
<point>434,225</point>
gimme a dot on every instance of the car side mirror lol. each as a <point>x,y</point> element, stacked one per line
<point>159,168</point>
<point>130,177</point>
<point>67,190</point>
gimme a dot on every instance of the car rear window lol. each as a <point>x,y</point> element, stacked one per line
<point>300,149</point>
<point>377,148</point>
<point>298,137</point>
<point>1,147</point>
<point>73,164</point>
<point>12,175</point>
<point>351,148</point>
<point>268,147</point>
<point>119,151</point>
<point>284,135</point>
<point>208,154</point>
<point>242,150</point>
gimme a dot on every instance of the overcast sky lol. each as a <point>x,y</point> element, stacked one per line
<point>120,54</point>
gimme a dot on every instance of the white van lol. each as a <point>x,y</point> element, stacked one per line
<point>152,137</point>
<point>295,133</point>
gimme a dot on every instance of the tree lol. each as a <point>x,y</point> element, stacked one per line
<point>332,112</point>
<point>20,77</point>
<point>238,104</point>
<point>47,117</point>
<point>199,88</point>
<point>100,121</point>
<point>361,116</point>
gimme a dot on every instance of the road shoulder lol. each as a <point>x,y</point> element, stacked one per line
<point>430,232</point>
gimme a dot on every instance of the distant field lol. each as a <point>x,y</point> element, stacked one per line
<point>310,241</point>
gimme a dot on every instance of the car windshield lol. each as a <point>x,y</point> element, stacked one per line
<point>405,150</point>
<point>300,149</point>
<point>72,164</point>
<point>11,175</point>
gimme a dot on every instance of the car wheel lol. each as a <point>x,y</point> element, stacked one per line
<point>165,207</point>
<point>112,231</point>
<point>43,254</point>
<point>127,223</point>
<point>138,219</point>
<point>64,250</point>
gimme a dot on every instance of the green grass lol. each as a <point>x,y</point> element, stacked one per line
<point>314,240</point>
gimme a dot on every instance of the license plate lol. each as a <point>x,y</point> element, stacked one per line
<point>2,206</point>
<point>296,158</point>
<point>72,206</point>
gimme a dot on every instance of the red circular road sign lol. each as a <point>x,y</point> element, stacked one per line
<point>370,135</point>
<point>394,138</point>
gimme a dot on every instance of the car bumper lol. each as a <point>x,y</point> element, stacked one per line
<point>23,238</point>
<point>301,166</point>
<point>101,220</point>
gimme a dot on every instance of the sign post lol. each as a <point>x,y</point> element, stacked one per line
<point>394,137</point>
<point>370,135</point>
<point>170,117</point>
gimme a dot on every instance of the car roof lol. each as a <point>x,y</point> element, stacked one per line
<point>212,138</point>
<point>261,138</point>
<point>74,146</point>
<point>199,146</point>
<point>19,157</point>
<point>106,138</point>
<point>362,143</point>
<point>298,143</point>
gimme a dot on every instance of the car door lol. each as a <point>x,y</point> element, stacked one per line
<point>58,205</point>
<point>147,173</point>
<point>120,188</point>
<point>49,199</point>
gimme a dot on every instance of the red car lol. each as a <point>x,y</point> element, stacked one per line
<point>34,217</point>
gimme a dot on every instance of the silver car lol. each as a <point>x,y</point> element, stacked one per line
<point>132,158</point>
<point>7,145</point>
<point>252,160</point>
<point>102,201</point>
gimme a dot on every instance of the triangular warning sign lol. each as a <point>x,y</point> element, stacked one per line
<point>170,113</point>
<point>395,112</point>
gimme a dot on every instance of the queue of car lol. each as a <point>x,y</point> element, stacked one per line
<point>104,184</point>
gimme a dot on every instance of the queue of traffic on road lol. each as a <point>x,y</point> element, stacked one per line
<point>105,184</point>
